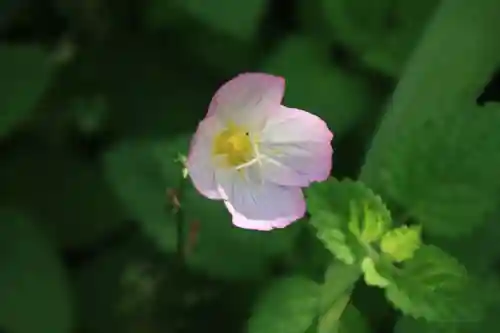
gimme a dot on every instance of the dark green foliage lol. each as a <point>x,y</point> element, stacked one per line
<point>101,232</point>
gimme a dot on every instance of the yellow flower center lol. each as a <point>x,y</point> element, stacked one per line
<point>234,144</point>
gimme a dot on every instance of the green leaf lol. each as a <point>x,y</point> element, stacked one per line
<point>448,178</point>
<point>290,305</point>
<point>331,231</point>
<point>226,52</point>
<point>372,276</point>
<point>335,310</point>
<point>330,320</point>
<point>67,194</point>
<point>392,51</point>
<point>339,280</point>
<point>434,286</point>
<point>478,251</point>
<point>489,322</point>
<point>401,243</point>
<point>141,177</point>
<point>382,34</point>
<point>352,321</point>
<point>33,284</point>
<point>355,24</point>
<point>411,325</point>
<point>339,315</point>
<point>314,84</point>
<point>371,224</point>
<point>333,206</point>
<point>141,172</point>
<point>239,20</point>
<point>26,74</point>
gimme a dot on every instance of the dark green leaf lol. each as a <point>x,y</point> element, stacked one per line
<point>35,295</point>
<point>26,73</point>
<point>68,194</point>
<point>289,305</point>
<point>436,152</point>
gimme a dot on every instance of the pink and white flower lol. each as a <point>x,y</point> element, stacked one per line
<point>256,154</point>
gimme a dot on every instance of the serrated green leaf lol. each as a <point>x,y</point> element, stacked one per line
<point>33,283</point>
<point>372,277</point>
<point>26,74</point>
<point>332,204</point>
<point>314,84</point>
<point>290,305</point>
<point>68,195</point>
<point>330,230</point>
<point>448,178</point>
<point>434,286</point>
<point>142,172</point>
<point>370,225</point>
<point>401,243</point>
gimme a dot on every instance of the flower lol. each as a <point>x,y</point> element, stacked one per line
<point>256,154</point>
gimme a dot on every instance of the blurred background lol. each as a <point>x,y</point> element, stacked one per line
<point>98,98</point>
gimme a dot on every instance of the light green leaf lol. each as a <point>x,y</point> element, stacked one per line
<point>401,243</point>
<point>26,74</point>
<point>289,305</point>
<point>448,178</point>
<point>314,84</point>
<point>331,231</point>
<point>35,295</point>
<point>332,204</point>
<point>67,194</point>
<point>372,277</point>
<point>434,286</point>
<point>371,224</point>
<point>142,172</point>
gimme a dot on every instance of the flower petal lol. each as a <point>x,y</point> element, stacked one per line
<point>199,162</point>
<point>246,94</point>
<point>297,149</point>
<point>260,205</point>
